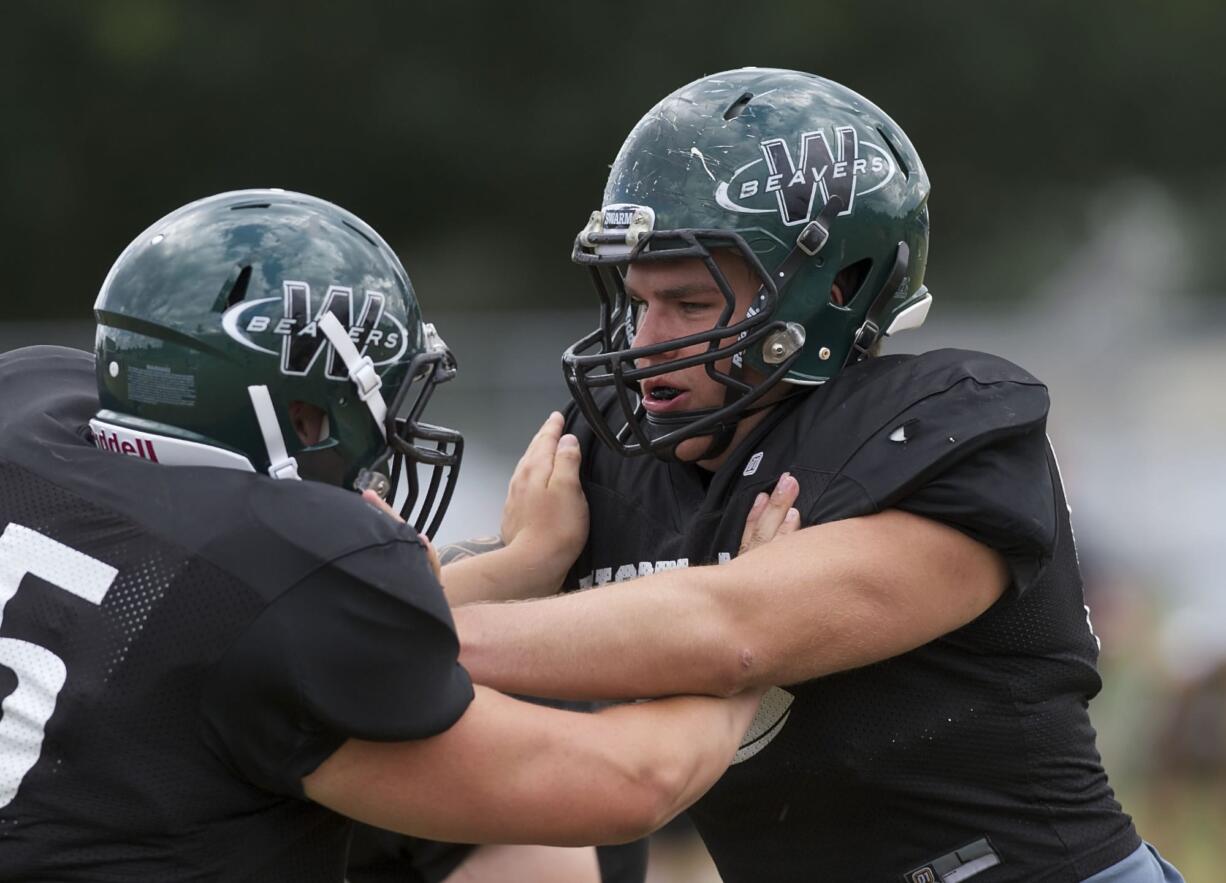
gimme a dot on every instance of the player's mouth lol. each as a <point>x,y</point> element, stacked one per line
<point>659,396</point>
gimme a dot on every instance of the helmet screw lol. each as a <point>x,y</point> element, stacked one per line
<point>113,369</point>
<point>780,345</point>
<point>824,353</point>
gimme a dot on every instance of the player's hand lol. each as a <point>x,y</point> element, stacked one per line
<point>546,512</point>
<point>772,515</point>
<point>432,557</point>
<point>375,501</point>
<point>379,503</point>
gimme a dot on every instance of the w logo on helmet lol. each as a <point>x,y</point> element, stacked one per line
<point>292,318</point>
<point>303,342</point>
<point>837,163</point>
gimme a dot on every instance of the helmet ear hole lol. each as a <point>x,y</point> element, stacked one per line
<point>310,422</point>
<point>849,282</point>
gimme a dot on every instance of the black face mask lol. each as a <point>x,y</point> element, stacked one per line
<point>413,442</point>
<point>600,369</point>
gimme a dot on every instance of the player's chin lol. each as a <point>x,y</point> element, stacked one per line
<point>691,449</point>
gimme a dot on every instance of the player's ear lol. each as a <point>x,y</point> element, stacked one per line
<point>309,421</point>
<point>848,282</point>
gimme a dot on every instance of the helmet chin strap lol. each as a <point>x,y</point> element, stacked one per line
<point>361,372</point>
<point>281,464</point>
<point>720,439</point>
<point>720,434</point>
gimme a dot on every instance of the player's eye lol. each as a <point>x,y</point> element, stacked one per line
<point>694,307</point>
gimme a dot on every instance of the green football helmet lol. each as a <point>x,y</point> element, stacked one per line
<point>807,182</point>
<point>225,312</point>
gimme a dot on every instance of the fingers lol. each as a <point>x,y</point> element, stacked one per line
<point>533,476</point>
<point>776,509</point>
<point>379,503</point>
<point>750,536</point>
<point>537,462</point>
<point>566,463</point>
<point>772,516</point>
<point>432,556</point>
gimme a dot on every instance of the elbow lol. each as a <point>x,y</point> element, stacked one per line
<point>735,654</point>
<point>733,667</point>
<point>630,815</point>
<point>635,787</point>
<point>648,802</point>
<point>647,794</point>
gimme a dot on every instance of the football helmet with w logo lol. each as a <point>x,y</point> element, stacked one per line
<point>221,316</point>
<point>806,183</point>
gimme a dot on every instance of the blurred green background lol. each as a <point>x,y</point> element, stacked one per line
<point>1079,181</point>
<point>475,135</point>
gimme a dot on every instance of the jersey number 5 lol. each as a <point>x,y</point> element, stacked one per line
<point>40,673</point>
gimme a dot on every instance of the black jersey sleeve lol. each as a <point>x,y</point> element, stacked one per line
<point>363,647</point>
<point>971,453</point>
<point>1002,496</point>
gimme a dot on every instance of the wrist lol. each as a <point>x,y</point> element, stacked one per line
<point>462,549</point>
<point>505,573</point>
<point>543,557</point>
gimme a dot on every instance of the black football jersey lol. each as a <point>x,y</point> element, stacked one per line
<point>179,646</point>
<point>970,757</point>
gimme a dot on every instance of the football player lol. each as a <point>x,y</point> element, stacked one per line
<point>761,232</point>
<point>209,666</point>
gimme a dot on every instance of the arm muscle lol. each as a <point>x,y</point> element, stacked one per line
<point>511,772</point>
<point>826,598</point>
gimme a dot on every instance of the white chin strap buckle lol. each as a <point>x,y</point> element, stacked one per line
<point>283,465</point>
<point>365,377</point>
<point>361,369</point>
<point>287,468</point>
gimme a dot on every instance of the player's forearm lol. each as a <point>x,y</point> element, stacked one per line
<point>542,775</point>
<point>822,600</point>
<point>662,637</point>
<point>483,569</point>
<point>620,774</point>
<point>673,750</point>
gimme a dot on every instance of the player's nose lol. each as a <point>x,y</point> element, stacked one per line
<point>650,330</point>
